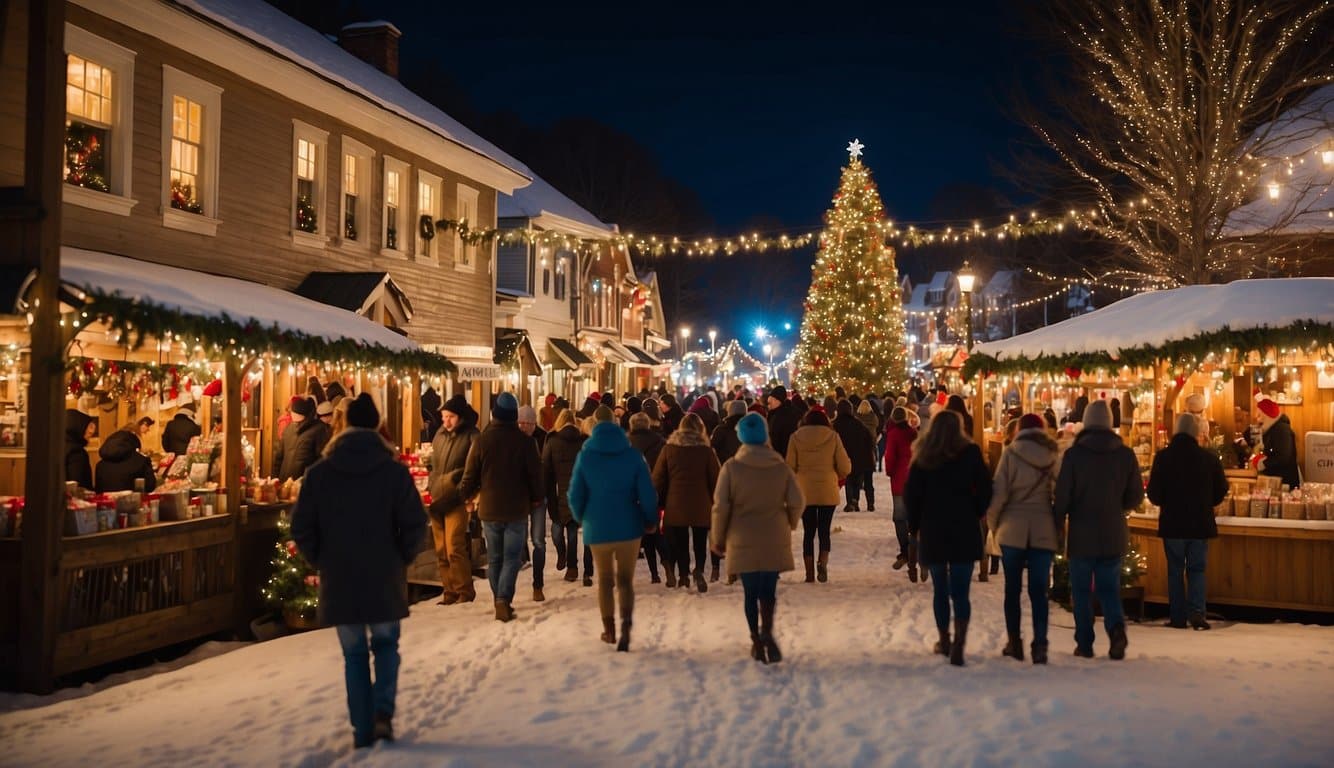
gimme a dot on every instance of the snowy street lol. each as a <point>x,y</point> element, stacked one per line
<point>858,686</point>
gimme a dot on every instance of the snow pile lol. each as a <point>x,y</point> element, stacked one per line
<point>858,687</point>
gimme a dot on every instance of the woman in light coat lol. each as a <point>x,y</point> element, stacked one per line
<point>816,454</point>
<point>756,506</point>
<point>1021,520</point>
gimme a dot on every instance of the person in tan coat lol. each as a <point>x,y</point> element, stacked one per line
<point>756,506</point>
<point>684,477</point>
<point>816,454</point>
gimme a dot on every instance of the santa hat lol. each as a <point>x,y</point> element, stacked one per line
<point>942,399</point>
<point>1267,406</point>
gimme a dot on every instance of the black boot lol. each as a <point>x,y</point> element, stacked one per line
<point>713,573</point>
<point>942,645</point>
<point>1117,634</point>
<point>1039,652</point>
<point>771,653</point>
<point>1014,648</point>
<point>995,564</point>
<point>960,636</point>
<point>700,583</point>
<point>757,648</point>
<point>671,577</point>
<point>1197,621</point>
<point>624,645</point>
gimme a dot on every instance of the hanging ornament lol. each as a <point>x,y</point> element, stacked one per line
<point>1180,381</point>
<point>1073,372</point>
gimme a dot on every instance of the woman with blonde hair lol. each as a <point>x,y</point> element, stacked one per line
<point>684,477</point>
<point>816,454</point>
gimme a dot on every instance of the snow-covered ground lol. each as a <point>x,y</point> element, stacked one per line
<point>858,687</point>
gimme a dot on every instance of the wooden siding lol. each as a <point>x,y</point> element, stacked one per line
<point>13,89</point>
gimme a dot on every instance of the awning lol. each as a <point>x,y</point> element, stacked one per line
<point>615,352</point>
<point>642,357</point>
<point>357,292</point>
<point>563,354</point>
<point>514,349</point>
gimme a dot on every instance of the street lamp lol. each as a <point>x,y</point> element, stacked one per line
<point>685,340</point>
<point>769,352</point>
<point>713,336</point>
<point>966,278</point>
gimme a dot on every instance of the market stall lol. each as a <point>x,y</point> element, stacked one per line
<point>1214,350</point>
<point>145,567</point>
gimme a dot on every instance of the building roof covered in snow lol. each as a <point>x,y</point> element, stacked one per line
<point>550,208</point>
<point>1003,283</point>
<point>1296,196</point>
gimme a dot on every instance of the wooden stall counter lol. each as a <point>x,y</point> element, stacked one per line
<point>1262,562</point>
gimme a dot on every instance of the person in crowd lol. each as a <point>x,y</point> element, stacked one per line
<point>703,408</point>
<point>339,421</point>
<point>1115,405</point>
<point>899,437</point>
<point>649,442</point>
<point>333,390</point>
<point>633,405</point>
<point>611,495</point>
<point>1279,455</point>
<point>955,403</point>
<point>947,493</point>
<point>618,411</point>
<point>860,447</point>
<point>537,517</point>
<point>783,420</point>
<point>325,413</point>
<point>80,429</point>
<point>726,443</point>
<point>756,505</point>
<point>143,428</point>
<point>122,463</point>
<point>1049,418</point>
<point>284,421</point>
<point>871,419</point>
<point>671,414</point>
<point>1186,482</point>
<point>1195,407</point>
<point>546,417</point>
<point>591,404</point>
<point>178,433</point>
<point>359,522</point>
<point>653,410</point>
<point>558,457</point>
<point>829,406</point>
<point>301,444</point>
<point>503,475</point>
<point>1081,404</point>
<point>684,478</point>
<point>816,454</point>
<point>430,410</point>
<point>315,390</point>
<point>1098,483</point>
<point>1020,520</point>
<point>448,511</point>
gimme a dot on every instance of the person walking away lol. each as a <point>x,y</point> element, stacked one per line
<point>537,517</point>
<point>359,521</point>
<point>815,453</point>
<point>302,442</point>
<point>178,432</point>
<point>122,463</point>
<point>1021,522</point>
<point>1098,483</point>
<point>783,420</point>
<point>558,457</point>
<point>449,511</point>
<point>870,418</point>
<point>80,428</point>
<point>649,442</point>
<point>756,506</point>
<point>899,437</point>
<point>547,416</point>
<point>860,447</point>
<point>1186,482</point>
<point>947,494</point>
<point>611,495</point>
<point>671,414</point>
<point>703,408</point>
<point>725,444</point>
<point>504,476</point>
<point>684,478</point>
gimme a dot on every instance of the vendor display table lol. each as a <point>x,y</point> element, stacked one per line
<point>1286,564</point>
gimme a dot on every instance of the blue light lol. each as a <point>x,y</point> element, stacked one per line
<point>787,326</point>
<point>761,332</point>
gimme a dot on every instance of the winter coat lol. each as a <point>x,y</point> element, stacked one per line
<point>78,467</point>
<point>703,408</point>
<point>944,506</point>
<point>1186,483</point>
<point>611,493</point>
<point>121,463</point>
<point>177,433</point>
<point>558,458</point>
<point>783,422</point>
<point>449,455</point>
<point>671,419</point>
<point>300,447</point>
<point>503,468</point>
<point>816,454</point>
<point>684,477</point>
<point>872,423</point>
<point>899,438</point>
<point>724,439</point>
<point>1020,511</point>
<point>857,442</point>
<point>756,506</point>
<point>1280,448</point>
<point>359,520</point>
<point>648,442</point>
<point>1098,483</point>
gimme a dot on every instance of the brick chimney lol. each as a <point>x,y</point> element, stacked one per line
<point>374,42</point>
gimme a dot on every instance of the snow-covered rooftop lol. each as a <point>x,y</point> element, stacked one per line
<point>941,280</point>
<point>538,198</point>
<point>918,300</point>
<point>1001,283</point>
<point>1305,202</point>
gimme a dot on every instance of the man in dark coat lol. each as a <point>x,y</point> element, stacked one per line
<point>430,406</point>
<point>178,432</point>
<point>302,442</point>
<point>860,445</point>
<point>537,517</point>
<point>1099,482</point>
<point>1279,458</point>
<point>783,419</point>
<point>78,430</point>
<point>449,513</point>
<point>122,463</point>
<point>724,439</point>
<point>504,475</point>
<point>1186,483</point>
<point>359,521</point>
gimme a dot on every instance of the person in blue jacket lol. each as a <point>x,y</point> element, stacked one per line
<point>612,498</point>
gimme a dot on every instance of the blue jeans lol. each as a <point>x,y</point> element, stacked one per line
<point>504,549</point>
<point>1103,576</point>
<point>1038,563</point>
<point>880,452</point>
<point>364,699</point>
<point>950,583</point>
<point>759,586</point>
<point>537,534</point>
<point>1185,557</point>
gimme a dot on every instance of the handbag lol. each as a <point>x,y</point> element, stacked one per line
<point>992,547</point>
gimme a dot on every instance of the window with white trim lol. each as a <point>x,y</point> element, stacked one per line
<point>191,121</point>
<point>392,237</point>
<point>99,114</point>
<point>354,212</point>
<point>309,145</point>
<point>465,255</point>
<point>428,210</point>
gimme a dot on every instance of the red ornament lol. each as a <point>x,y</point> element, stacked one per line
<point>1073,372</point>
<point>113,369</point>
<point>1180,381</point>
<point>173,393</point>
<point>291,548</point>
<point>75,386</point>
<point>88,367</point>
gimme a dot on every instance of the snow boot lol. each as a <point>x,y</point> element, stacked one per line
<point>588,578</point>
<point>757,648</point>
<point>560,560</point>
<point>624,645</point>
<point>572,573</point>
<point>960,637</point>
<point>870,506</point>
<point>942,645</point>
<point>731,578</point>
<point>1084,651</point>
<point>900,561</point>
<point>609,629</point>
<point>671,578</point>
<point>810,569</point>
<point>700,583</point>
<point>1197,621</point>
<point>1039,652</point>
<point>1117,634</point>
<point>912,572</point>
<point>503,610</point>
<point>384,726</point>
<point>995,564</point>
<point>538,595</point>
<point>822,568</point>
<point>982,570</point>
<point>771,653</point>
<point>1014,648</point>
<point>713,573</point>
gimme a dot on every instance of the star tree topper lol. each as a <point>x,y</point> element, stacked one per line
<point>855,148</point>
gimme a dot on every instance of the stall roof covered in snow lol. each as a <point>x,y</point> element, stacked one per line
<point>212,296</point>
<point>1157,318</point>
<point>540,198</point>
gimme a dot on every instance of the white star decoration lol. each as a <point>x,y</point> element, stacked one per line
<point>855,148</point>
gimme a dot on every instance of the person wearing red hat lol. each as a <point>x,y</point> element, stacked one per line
<point>547,415</point>
<point>1278,455</point>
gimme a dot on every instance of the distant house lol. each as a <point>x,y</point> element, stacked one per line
<point>927,310</point>
<point>997,302</point>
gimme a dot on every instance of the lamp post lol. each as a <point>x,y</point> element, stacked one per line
<point>966,278</point>
<point>685,341</point>
<point>713,336</point>
<point>769,352</point>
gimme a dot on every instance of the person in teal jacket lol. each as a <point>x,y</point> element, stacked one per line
<point>612,498</point>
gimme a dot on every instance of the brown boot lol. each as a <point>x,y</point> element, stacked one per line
<point>608,629</point>
<point>960,637</point>
<point>538,595</point>
<point>771,653</point>
<point>624,645</point>
<point>822,568</point>
<point>503,611</point>
<point>810,569</point>
<point>942,645</point>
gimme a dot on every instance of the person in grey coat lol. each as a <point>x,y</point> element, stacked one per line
<point>359,520</point>
<point>1098,484</point>
<point>449,512</point>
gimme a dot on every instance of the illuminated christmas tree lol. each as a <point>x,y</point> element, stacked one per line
<point>853,333</point>
<point>294,587</point>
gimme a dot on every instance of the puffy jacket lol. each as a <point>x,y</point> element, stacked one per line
<point>756,506</point>
<point>1098,483</point>
<point>648,442</point>
<point>684,478</point>
<point>857,442</point>
<point>944,506</point>
<point>300,447</point>
<point>703,408</point>
<point>177,433</point>
<point>611,493</point>
<point>783,422</point>
<point>899,438</point>
<point>724,439</point>
<point>816,454</point>
<point>121,463</point>
<point>558,459</point>
<point>505,472</point>
<point>1186,482</point>
<point>1020,511</point>
<point>449,455</point>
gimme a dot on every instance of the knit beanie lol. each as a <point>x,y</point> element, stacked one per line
<point>603,413</point>
<point>457,405</point>
<point>752,430</point>
<point>361,412</point>
<point>1032,421</point>
<point>506,408</point>
<point>528,413</point>
<point>1187,424</point>
<point>779,393</point>
<point>1098,415</point>
<point>304,406</point>
<point>736,408</point>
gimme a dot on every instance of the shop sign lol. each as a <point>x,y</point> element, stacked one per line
<point>1319,457</point>
<point>478,371</point>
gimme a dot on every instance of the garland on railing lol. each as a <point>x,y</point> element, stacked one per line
<point>134,320</point>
